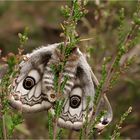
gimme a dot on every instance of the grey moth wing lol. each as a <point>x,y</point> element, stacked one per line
<point>104,105</point>
<point>27,94</point>
<point>76,108</point>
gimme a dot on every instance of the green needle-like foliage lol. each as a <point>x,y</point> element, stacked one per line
<point>116,132</point>
<point>112,69</point>
<point>9,120</point>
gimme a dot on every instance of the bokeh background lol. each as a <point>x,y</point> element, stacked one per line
<point>43,19</point>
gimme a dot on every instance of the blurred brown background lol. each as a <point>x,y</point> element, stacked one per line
<point>43,19</point>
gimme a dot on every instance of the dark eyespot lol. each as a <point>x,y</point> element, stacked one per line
<point>75,101</point>
<point>105,122</point>
<point>28,82</point>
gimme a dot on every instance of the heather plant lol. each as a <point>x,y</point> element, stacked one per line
<point>112,69</point>
<point>9,118</point>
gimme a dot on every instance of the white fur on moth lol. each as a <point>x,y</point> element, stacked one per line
<point>35,70</point>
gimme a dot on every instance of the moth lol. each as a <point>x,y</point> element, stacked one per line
<point>33,90</point>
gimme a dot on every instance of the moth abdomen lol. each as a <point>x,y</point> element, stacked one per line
<point>48,81</point>
<point>68,71</point>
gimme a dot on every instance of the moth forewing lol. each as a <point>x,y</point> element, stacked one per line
<point>74,112</point>
<point>27,94</point>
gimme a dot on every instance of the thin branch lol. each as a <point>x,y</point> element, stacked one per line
<point>4,128</point>
<point>111,69</point>
<point>70,134</point>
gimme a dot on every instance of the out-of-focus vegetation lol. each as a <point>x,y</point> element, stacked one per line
<point>101,23</point>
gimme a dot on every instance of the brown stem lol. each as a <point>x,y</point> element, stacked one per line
<point>4,127</point>
<point>70,134</point>
<point>55,128</point>
<point>111,69</point>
